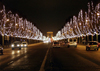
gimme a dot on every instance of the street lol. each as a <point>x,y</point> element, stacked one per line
<point>26,59</point>
<point>53,35</point>
<point>40,56</point>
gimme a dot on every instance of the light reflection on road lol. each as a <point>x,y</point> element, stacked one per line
<point>13,52</point>
<point>10,54</point>
<point>22,51</point>
<point>18,51</point>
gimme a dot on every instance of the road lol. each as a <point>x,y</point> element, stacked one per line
<point>42,57</point>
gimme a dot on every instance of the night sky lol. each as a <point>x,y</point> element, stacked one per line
<point>47,15</point>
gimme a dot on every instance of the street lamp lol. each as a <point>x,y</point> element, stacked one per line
<point>75,26</point>
<point>16,24</point>
<point>86,20</point>
<point>80,24</point>
<point>7,20</point>
<point>98,14</point>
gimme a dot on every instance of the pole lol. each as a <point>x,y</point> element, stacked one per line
<point>92,37</point>
<point>87,38</point>
<point>96,37</point>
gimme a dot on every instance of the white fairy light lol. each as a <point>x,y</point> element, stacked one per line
<point>84,25</point>
<point>17,27</point>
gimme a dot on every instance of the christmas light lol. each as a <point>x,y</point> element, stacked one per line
<point>84,24</point>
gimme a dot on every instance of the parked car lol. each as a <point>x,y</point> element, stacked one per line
<point>99,44</point>
<point>1,49</point>
<point>72,43</point>
<point>56,44</point>
<point>16,44</point>
<point>92,45</point>
<point>24,44</point>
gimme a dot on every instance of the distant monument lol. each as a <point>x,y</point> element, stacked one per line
<point>50,34</point>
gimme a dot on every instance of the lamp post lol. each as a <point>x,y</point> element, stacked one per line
<point>96,37</point>
<point>92,37</point>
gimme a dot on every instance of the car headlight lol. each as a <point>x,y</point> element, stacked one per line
<point>2,48</point>
<point>25,45</point>
<point>17,45</point>
<point>75,43</point>
<point>21,45</point>
<point>12,45</point>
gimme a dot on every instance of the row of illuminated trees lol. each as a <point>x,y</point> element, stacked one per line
<point>15,26</point>
<point>86,23</point>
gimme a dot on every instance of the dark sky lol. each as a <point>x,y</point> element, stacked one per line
<point>47,15</point>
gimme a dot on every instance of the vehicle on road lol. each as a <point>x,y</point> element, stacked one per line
<point>99,44</point>
<point>61,43</point>
<point>1,49</point>
<point>24,44</point>
<point>92,45</point>
<point>16,44</point>
<point>65,44</point>
<point>56,44</point>
<point>72,42</point>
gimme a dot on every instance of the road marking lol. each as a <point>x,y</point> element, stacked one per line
<point>10,62</point>
<point>43,63</point>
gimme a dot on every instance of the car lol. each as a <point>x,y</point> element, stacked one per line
<point>72,43</point>
<point>63,43</point>
<point>66,42</point>
<point>1,49</point>
<point>99,44</point>
<point>24,44</point>
<point>92,45</point>
<point>56,44</point>
<point>16,44</point>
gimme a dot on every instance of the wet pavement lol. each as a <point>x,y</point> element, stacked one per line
<point>42,57</point>
<point>26,59</point>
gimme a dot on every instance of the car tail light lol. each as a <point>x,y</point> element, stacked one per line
<point>2,48</point>
<point>53,44</point>
<point>89,46</point>
<point>97,45</point>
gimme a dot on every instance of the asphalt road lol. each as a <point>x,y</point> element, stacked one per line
<point>72,59</point>
<point>26,59</point>
<point>42,57</point>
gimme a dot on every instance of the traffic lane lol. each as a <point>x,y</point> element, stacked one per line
<point>8,51</point>
<point>31,61</point>
<point>11,55</point>
<point>69,59</point>
<point>92,55</point>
